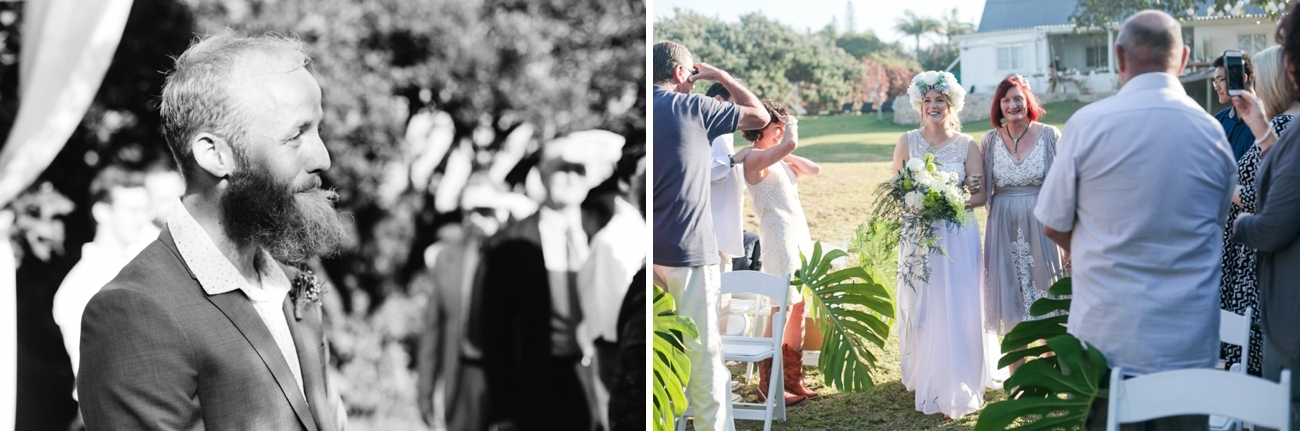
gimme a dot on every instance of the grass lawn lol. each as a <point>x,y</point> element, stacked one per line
<point>855,152</point>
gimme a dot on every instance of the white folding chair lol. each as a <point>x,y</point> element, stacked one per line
<point>1199,391</point>
<point>1235,330</point>
<point>758,348</point>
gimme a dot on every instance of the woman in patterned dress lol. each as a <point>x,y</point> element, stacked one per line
<point>942,346</point>
<point>1020,262</point>
<point>771,171</point>
<point>1238,285</point>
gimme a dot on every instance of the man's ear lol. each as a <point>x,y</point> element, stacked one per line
<point>101,212</point>
<point>213,154</point>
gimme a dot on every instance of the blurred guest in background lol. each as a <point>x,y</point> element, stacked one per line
<point>618,237</point>
<point>450,363</point>
<point>122,216</point>
<point>627,394</point>
<point>165,187</point>
<point>529,279</point>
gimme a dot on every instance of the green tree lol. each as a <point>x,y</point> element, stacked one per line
<point>916,26</point>
<point>770,58</point>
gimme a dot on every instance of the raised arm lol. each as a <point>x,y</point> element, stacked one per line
<point>802,167</point>
<point>136,372</point>
<point>975,169</point>
<point>757,161</point>
<point>752,114</point>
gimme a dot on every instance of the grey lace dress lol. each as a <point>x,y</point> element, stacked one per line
<point>1020,262</point>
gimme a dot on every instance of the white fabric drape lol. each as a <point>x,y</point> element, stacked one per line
<point>67,47</point>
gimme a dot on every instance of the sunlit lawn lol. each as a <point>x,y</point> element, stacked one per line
<point>855,152</point>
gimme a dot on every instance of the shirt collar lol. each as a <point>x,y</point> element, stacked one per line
<point>214,271</point>
<point>1150,80</point>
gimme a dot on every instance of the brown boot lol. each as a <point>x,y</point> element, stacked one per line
<point>793,362</point>
<point>764,380</point>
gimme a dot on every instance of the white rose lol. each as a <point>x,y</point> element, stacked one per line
<point>924,177</point>
<point>915,164</point>
<point>930,77</point>
<point>913,199</point>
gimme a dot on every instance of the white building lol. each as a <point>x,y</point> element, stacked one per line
<point>1024,37</point>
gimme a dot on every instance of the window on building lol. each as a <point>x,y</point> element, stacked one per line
<point>1098,57</point>
<point>1009,57</point>
<point>1251,43</point>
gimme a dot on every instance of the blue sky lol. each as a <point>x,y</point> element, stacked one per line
<point>876,15</point>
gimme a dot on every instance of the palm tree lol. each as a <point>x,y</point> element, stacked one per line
<point>953,26</point>
<point>916,26</point>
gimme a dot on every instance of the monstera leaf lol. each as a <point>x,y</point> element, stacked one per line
<point>852,310</point>
<point>1048,393</point>
<point>671,367</point>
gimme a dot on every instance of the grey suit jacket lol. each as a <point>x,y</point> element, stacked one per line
<point>440,345</point>
<point>1273,231</point>
<point>159,353</point>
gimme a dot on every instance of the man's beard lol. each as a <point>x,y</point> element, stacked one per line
<point>292,225</point>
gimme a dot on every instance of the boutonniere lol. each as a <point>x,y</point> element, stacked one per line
<point>307,289</point>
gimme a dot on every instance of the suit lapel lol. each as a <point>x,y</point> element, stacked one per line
<point>241,313</point>
<point>312,351</point>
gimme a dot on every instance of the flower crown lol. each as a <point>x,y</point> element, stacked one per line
<point>943,82</point>
<point>1021,79</point>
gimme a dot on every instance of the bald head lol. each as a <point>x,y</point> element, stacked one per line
<point>1150,41</point>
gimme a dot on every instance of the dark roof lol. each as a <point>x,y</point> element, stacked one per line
<point>1013,14</point>
<point>1002,15</point>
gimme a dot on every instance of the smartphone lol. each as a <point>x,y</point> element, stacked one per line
<point>1235,71</point>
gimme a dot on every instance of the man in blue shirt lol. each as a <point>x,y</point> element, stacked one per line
<point>1239,134</point>
<point>686,261</point>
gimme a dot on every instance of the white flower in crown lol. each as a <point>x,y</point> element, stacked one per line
<point>930,77</point>
<point>943,82</point>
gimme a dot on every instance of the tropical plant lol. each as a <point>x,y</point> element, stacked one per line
<point>852,309</point>
<point>1057,386</point>
<point>672,369</point>
<point>916,26</point>
<point>875,246</point>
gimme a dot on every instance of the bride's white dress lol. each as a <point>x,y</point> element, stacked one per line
<point>947,358</point>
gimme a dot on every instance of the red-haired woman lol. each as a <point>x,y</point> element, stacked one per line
<point>1020,262</point>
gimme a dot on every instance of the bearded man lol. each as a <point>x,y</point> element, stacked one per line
<point>201,329</point>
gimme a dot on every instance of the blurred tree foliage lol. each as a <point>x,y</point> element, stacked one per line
<point>1098,13</point>
<point>770,58</point>
<point>830,68</point>
<point>499,76</point>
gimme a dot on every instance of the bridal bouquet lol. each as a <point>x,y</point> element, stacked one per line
<point>914,200</point>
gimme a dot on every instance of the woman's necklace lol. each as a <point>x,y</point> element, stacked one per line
<point>1016,139</point>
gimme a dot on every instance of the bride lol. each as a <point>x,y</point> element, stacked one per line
<point>941,340</point>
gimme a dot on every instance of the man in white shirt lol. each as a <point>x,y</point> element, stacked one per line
<point>1138,195</point>
<point>727,190</point>
<point>122,221</point>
